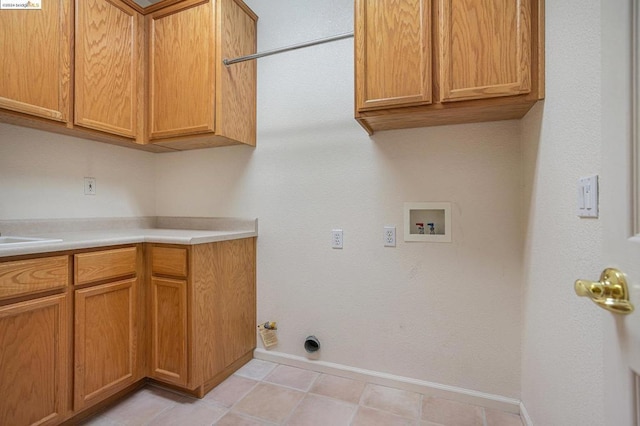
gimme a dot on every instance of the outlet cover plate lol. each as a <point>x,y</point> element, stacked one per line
<point>336,238</point>
<point>89,186</point>
<point>389,236</point>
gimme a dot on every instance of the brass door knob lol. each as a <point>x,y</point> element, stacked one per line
<point>610,293</point>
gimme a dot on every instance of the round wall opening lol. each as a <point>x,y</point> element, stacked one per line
<point>311,344</point>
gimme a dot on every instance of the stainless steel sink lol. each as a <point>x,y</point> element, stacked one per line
<point>10,240</point>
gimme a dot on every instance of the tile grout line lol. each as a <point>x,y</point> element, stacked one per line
<point>305,393</point>
<point>255,385</point>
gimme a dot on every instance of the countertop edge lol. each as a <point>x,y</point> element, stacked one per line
<point>106,239</point>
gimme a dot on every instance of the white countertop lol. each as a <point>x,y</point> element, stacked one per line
<point>74,240</point>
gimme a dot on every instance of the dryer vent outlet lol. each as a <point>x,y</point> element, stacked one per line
<point>311,344</point>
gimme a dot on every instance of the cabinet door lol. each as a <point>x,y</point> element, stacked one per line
<point>181,70</point>
<point>108,66</point>
<point>169,330</point>
<point>35,50</point>
<point>393,53</point>
<point>105,336</point>
<point>484,48</point>
<point>34,357</point>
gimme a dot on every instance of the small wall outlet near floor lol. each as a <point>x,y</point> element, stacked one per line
<point>389,236</point>
<point>89,186</point>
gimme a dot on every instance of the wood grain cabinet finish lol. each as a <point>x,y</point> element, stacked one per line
<point>109,323</point>
<point>146,78</point>
<point>191,92</point>
<point>484,48</point>
<point>182,315</point>
<point>393,53</point>
<point>33,276</point>
<point>213,312</point>
<point>109,68</point>
<point>105,358</point>
<point>35,58</point>
<point>34,359</point>
<point>169,331</point>
<point>487,58</point>
<point>105,264</point>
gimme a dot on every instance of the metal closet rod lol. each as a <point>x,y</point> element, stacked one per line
<point>286,49</point>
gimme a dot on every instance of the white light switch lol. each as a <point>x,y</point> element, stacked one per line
<point>588,196</point>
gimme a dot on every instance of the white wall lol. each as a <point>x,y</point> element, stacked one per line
<point>42,176</point>
<point>562,378</point>
<point>447,313</point>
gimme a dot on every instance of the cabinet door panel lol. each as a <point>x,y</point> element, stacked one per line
<point>484,48</point>
<point>181,71</point>
<point>35,50</point>
<point>108,67</point>
<point>34,354</point>
<point>169,330</point>
<point>105,336</point>
<point>393,53</point>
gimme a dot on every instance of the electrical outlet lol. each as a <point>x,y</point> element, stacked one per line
<point>389,236</point>
<point>336,238</point>
<point>89,186</point>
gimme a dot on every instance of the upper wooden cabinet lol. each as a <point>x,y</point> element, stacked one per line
<point>35,58</point>
<point>147,78</point>
<point>109,68</point>
<point>191,92</point>
<point>487,58</point>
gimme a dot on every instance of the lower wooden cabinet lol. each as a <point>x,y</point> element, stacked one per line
<point>34,359</point>
<point>182,315</point>
<point>203,312</point>
<point>105,356</point>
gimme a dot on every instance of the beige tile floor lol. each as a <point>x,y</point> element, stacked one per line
<point>264,393</point>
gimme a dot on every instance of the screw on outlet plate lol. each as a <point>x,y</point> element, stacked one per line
<point>389,236</point>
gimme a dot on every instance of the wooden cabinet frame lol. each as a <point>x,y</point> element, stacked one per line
<point>182,315</point>
<point>456,98</point>
<point>143,108</point>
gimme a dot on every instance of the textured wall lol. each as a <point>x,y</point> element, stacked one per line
<point>562,378</point>
<point>447,313</point>
<point>42,176</point>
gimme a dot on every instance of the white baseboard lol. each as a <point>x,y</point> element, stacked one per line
<point>524,415</point>
<point>468,396</point>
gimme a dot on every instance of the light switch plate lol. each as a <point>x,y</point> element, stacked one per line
<point>588,196</point>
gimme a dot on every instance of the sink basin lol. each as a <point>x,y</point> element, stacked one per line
<point>10,241</point>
